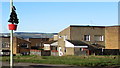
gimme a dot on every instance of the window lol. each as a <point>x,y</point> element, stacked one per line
<point>80,49</point>
<point>60,36</point>
<point>24,45</point>
<point>65,50</point>
<point>6,53</point>
<point>87,37</point>
<point>53,48</point>
<point>66,37</point>
<point>5,45</point>
<point>41,44</point>
<point>98,38</point>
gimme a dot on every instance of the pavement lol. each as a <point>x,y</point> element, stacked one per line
<point>36,65</point>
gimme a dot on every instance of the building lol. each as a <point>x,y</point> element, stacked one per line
<point>86,40</point>
<point>112,37</point>
<point>52,47</point>
<point>20,46</point>
<point>37,43</point>
<point>73,40</point>
<point>112,40</point>
<point>38,48</point>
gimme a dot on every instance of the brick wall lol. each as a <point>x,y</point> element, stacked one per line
<point>77,33</point>
<point>16,45</point>
<point>112,37</point>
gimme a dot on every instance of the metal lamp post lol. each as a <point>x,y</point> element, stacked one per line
<point>11,39</point>
<point>13,26</point>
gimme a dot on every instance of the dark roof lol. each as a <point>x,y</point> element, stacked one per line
<point>38,38</point>
<point>85,26</point>
<point>78,43</point>
<point>98,46</point>
<point>13,37</point>
<point>5,50</point>
<point>4,36</point>
<point>114,26</point>
<point>50,42</point>
<point>81,43</point>
<point>93,26</point>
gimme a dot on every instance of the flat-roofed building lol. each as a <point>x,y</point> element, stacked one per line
<point>86,40</point>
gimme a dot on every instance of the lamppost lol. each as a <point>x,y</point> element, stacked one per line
<point>13,26</point>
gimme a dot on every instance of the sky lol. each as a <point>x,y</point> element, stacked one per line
<point>53,17</point>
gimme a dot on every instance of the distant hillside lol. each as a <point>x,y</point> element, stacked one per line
<point>30,35</point>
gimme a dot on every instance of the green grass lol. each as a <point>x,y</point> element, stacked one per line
<point>69,60</point>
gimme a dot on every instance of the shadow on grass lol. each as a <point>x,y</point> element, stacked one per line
<point>44,66</point>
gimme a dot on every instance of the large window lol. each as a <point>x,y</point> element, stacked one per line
<point>98,38</point>
<point>86,37</point>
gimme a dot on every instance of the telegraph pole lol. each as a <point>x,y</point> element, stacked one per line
<point>11,39</point>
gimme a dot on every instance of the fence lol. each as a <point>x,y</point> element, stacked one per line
<point>106,52</point>
<point>54,53</point>
<point>35,52</point>
<point>45,53</point>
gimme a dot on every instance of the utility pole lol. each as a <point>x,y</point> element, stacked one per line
<point>11,39</point>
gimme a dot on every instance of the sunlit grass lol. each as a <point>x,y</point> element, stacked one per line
<point>69,60</point>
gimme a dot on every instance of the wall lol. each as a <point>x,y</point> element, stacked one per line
<point>78,32</point>
<point>61,43</point>
<point>81,51</point>
<point>16,44</point>
<point>65,32</point>
<point>38,42</point>
<point>69,47</point>
<point>61,38</point>
<point>19,42</point>
<point>46,46</point>
<point>55,37</point>
<point>112,37</point>
<point>35,52</point>
<point>69,51</point>
<point>5,40</point>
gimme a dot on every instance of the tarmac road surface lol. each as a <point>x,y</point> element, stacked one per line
<point>36,65</point>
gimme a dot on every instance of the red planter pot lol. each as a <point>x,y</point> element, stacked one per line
<point>12,26</point>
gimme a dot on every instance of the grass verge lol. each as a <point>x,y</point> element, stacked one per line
<point>68,60</point>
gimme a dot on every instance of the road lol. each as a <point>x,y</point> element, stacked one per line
<point>35,65</point>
